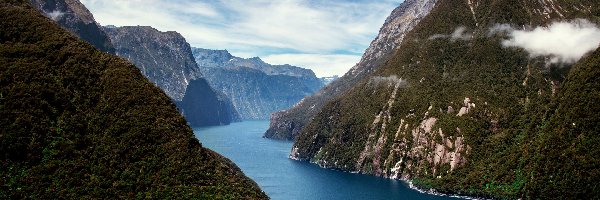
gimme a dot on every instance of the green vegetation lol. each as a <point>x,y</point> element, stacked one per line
<point>526,137</point>
<point>79,123</point>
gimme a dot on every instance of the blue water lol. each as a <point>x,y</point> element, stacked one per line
<point>266,161</point>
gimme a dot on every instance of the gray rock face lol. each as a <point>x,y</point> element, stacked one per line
<point>164,57</point>
<point>255,88</point>
<point>77,19</point>
<point>287,124</point>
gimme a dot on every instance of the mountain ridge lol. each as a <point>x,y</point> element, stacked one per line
<point>80,123</point>
<point>77,19</point>
<point>287,124</point>
<point>167,60</point>
<point>256,88</point>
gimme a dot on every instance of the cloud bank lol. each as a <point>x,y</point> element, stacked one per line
<point>262,28</point>
<point>563,42</point>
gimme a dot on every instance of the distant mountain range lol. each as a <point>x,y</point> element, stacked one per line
<point>255,88</point>
<point>329,79</point>
<point>166,59</point>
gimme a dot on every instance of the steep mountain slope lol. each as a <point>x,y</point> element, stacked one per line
<point>77,19</point>
<point>287,124</point>
<point>202,106</point>
<point>78,123</point>
<point>571,128</point>
<point>457,111</point>
<point>166,59</point>
<point>255,88</point>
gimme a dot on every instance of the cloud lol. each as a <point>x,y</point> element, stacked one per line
<point>564,42</point>
<point>257,27</point>
<point>55,15</point>
<point>460,33</point>
<point>322,65</point>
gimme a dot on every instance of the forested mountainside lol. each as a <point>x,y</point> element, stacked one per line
<point>286,124</point>
<point>80,123</point>
<point>166,59</point>
<point>77,19</point>
<point>460,110</point>
<point>255,88</point>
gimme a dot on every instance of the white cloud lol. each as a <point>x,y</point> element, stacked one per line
<point>460,33</point>
<point>55,15</point>
<point>322,65</point>
<point>256,27</point>
<point>564,42</point>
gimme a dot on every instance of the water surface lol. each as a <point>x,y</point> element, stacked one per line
<point>266,161</point>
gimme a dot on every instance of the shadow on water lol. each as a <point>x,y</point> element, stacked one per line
<point>266,161</point>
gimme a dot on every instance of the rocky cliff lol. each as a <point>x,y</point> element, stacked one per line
<point>166,59</point>
<point>78,123</point>
<point>287,124</point>
<point>460,109</point>
<point>77,19</point>
<point>255,88</point>
<point>202,106</point>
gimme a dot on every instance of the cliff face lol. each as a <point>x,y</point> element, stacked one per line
<point>255,88</point>
<point>164,57</point>
<point>77,19</point>
<point>80,123</point>
<point>287,124</point>
<point>457,110</point>
<point>202,106</point>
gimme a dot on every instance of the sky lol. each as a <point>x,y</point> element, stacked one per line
<point>327,36</point>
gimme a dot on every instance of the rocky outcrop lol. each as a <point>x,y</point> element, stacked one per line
<point>286,124</point>
<point>164,57</point>
<point>77,19</point>
<point>255,88</point>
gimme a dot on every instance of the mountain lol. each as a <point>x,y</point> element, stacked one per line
<point>78,123</point>
<point>77,19</point>
<point>166,59</point>
<point>202,106</point>
<point>286,124</point>
<point>458,109</point>
<point>255,88</point>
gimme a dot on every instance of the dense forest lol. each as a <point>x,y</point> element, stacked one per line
<point>457,111</point>
<point>80,123</point>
